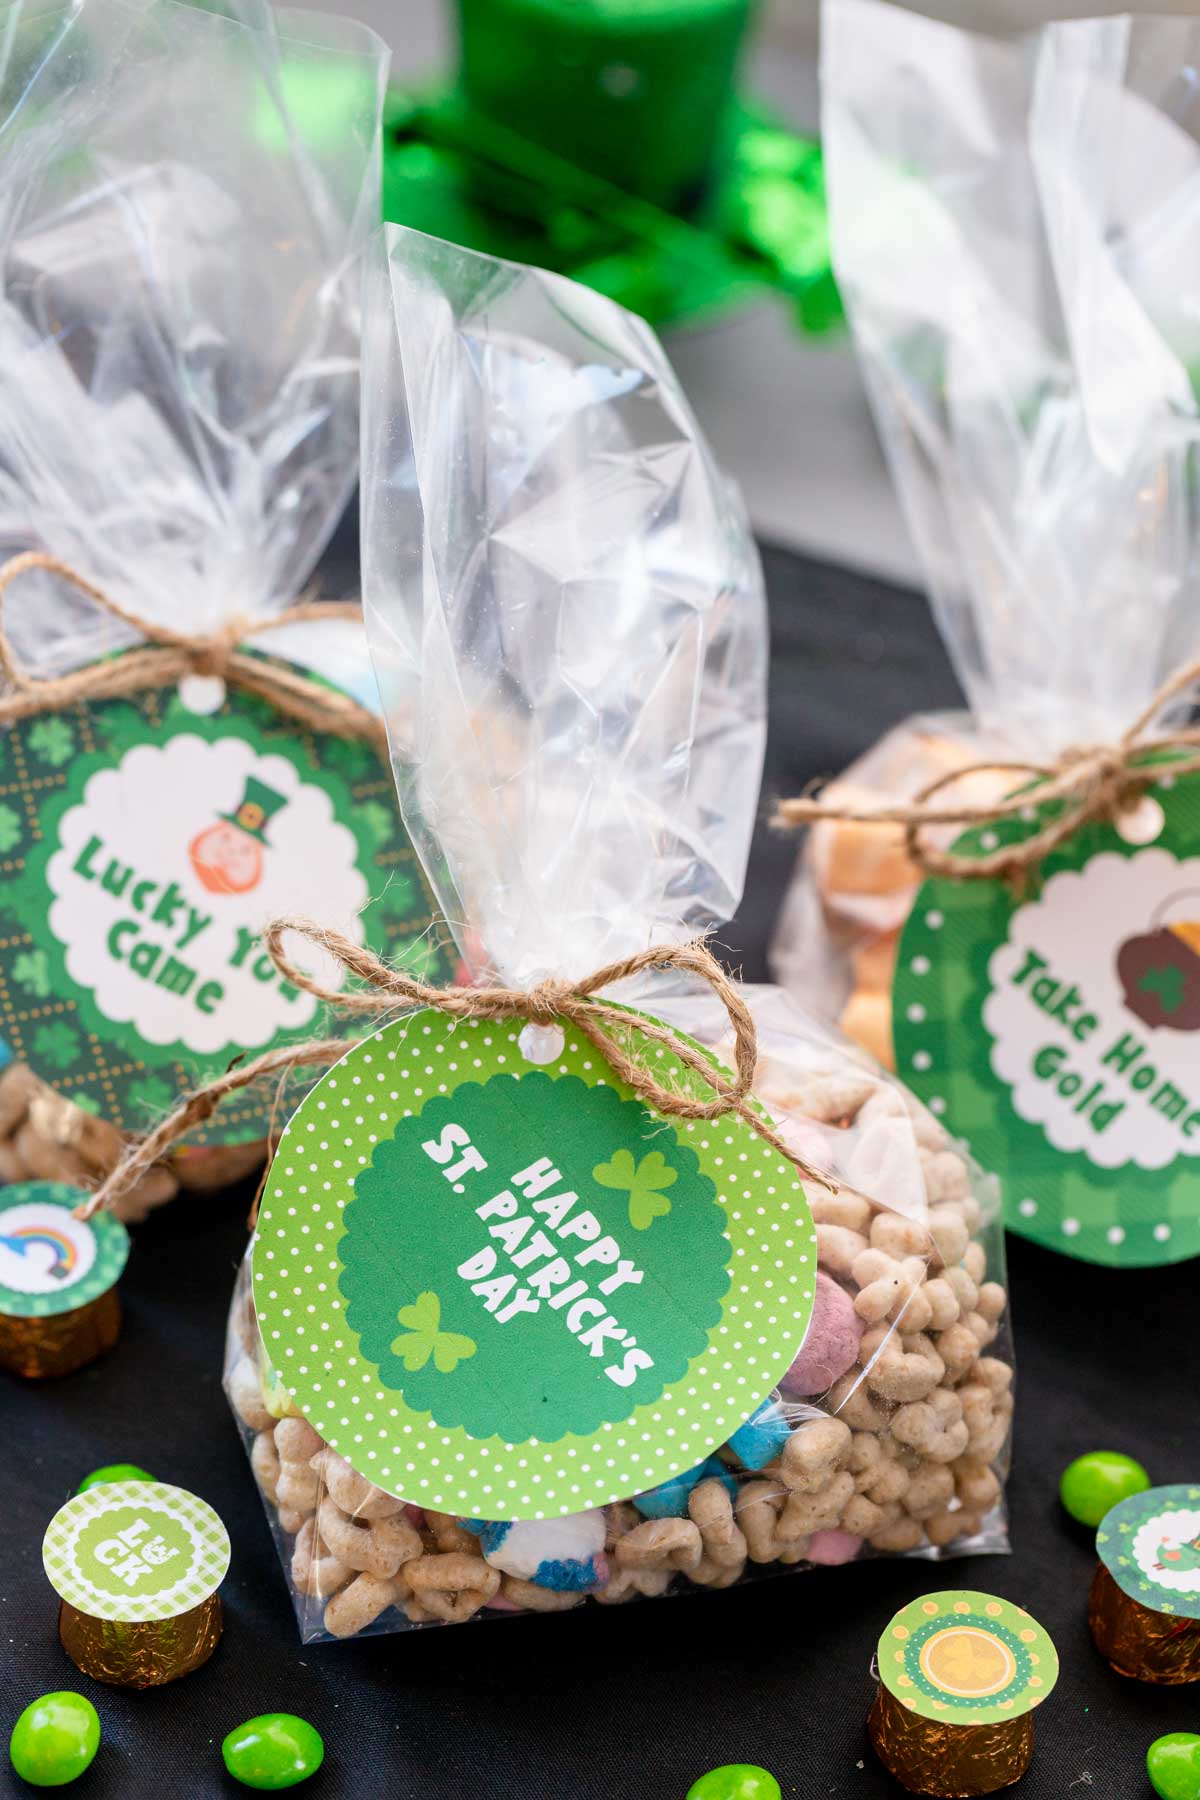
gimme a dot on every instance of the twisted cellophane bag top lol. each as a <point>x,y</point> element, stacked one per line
<point>1014,228</point>
<point>567,619</point>
<point>185,190</point>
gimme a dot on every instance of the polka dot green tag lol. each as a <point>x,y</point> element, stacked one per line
<point>1150,1545</point>
<point>967,1658</point>
<point>508,1289</point>
<point>1059,1032</point>
<point>49,1261</point>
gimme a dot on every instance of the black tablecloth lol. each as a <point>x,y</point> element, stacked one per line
<point>626,1703</point>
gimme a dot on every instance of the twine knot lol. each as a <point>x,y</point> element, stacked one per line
<point>165,656</point>
<point>632,1043</point>
<point>1087,784</point>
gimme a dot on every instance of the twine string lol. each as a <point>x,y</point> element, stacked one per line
<point>1091,783</point>
<point>165,656</point>
<point>615,1033</point>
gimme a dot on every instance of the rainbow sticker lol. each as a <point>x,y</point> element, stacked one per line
<point>51,1262</point>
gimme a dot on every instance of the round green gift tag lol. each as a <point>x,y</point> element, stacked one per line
<point>513,1291</point>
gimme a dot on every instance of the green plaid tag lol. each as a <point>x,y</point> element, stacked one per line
<point>135,1550</point>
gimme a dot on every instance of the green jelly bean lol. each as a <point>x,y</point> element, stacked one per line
<point>1092,1485</point>
<point>1173,1765</point>
<point>735,1781</point>
<point>275,1750</point>
<point>114,1472</point>
<point>55,1739</point>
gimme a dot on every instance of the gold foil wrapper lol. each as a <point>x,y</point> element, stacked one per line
<point>144,1653</point>
<point>938,1757</point>
<point>60,1343</point>
<point>1145,1645</point>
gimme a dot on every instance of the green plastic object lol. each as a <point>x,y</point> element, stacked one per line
<point>736,1781</point>
<point>760,229</point>
<point>1173,1765</point>
<point>114,1472</point>
<point>275,1750</point>
<point>55,1739</point>
<point>636,91</point>
<point>1093,1484</point>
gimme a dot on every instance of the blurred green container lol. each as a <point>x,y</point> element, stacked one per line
<point>637,91</point>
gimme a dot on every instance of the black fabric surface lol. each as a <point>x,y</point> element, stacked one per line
<point>626,1703</point>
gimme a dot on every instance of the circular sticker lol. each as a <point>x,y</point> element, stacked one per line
<point>135,1551</point>
<point>144,844</point>
<point>1059,1031</point>
<point>49,1261</point>
<point>966,1657</point>
<point>510,1290</point>
<point>1150,1545</point>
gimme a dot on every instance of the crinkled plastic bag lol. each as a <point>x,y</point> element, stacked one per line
<point>184,197</point>
<point>185,192</point>
<point>1014,228</point>
<point>567,618</point>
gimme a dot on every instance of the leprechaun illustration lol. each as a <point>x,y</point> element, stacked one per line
<point>1179,1556</point>
<point>228,856</point>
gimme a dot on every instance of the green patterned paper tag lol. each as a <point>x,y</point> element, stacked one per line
<point>966,1658</point>
<point>143,845</point>
<point>1059,1034</point>
<point>50,1262</point>
<point>1150,1545</point>
<point>509,1291</point>
<point>135,1550</point>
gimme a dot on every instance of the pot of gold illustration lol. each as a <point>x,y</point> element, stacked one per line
<point>1159,970</point>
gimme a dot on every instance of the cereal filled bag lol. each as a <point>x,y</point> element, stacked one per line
<point>184,195</point>
<point>545,1307</point>
<point>1015,227</point>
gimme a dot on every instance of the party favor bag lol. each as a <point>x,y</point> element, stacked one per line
<point>1016,227</point>
<point>543,1307</point>
<point>183,200</point>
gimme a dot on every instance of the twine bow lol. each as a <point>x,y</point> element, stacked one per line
<point>1096,782</point>
<point>615,1033</point>
<point>166,656</point>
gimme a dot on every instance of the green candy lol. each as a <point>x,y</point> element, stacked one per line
<point>735,1781</point>
<point>55,1739</point>
<point>1173,1765</point>
<point>1092,1485</point>
<point>113,1472</point>
<point>275,1750</point>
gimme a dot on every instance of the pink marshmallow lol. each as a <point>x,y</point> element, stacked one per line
<point>831,1345</point>
<point>831,1548</point>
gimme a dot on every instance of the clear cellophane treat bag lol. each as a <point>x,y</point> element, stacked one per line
<point>567,620</point>
<point>185,191</point>
<point>1014,228</point>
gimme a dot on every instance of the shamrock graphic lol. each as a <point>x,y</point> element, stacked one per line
<point>423,1337</point>
<point>31,972</point>
<point>53,741</point>
<point>57,1044</point>
<point>378,821</point>
<point>645,1180</point>
<point>399,896</point>
<point>151,1093</point>
<point>10,828</point>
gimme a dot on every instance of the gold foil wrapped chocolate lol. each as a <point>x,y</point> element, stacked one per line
<point>137,1566</point>
<point>58,1300</point>
<point>59,1343</point>
<point>960,1674</point>
<point>129,1653</point>
<point>938,1757</point>
<point>1144,1606</point>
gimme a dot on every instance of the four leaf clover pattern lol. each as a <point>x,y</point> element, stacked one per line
<point>10,828</point>
<point>423,1337</point>
<point>645,1181</point>
<point>31,971</point>
<point>56,1044</point>
<point>53,741</point>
